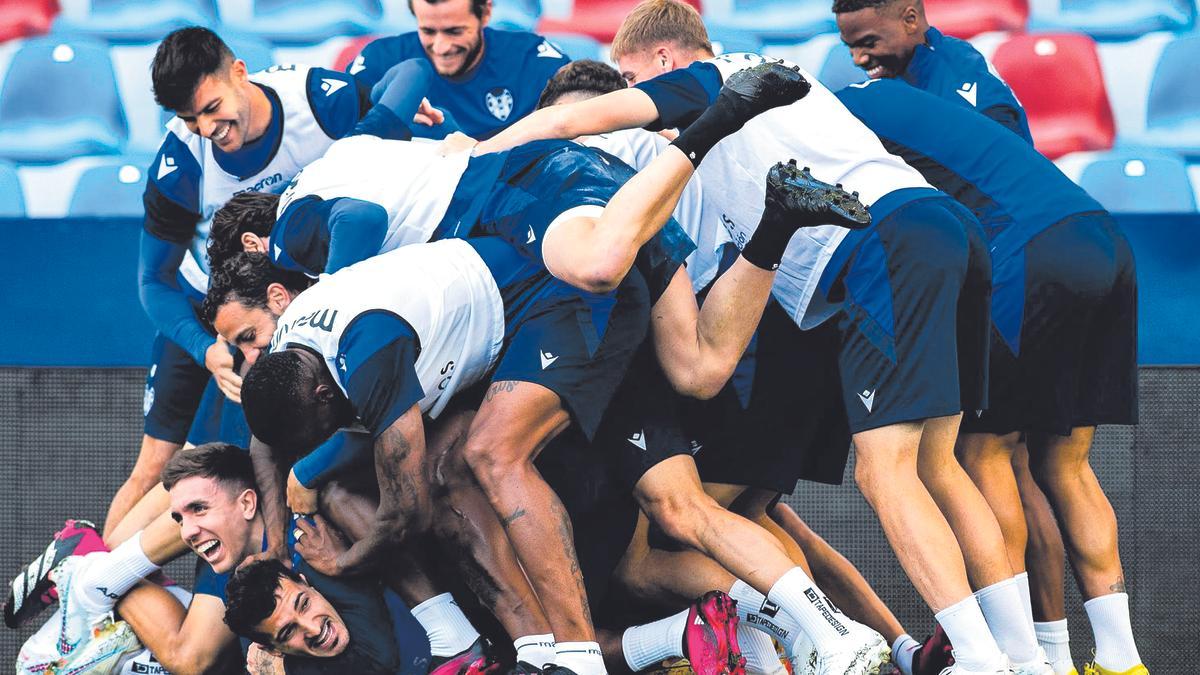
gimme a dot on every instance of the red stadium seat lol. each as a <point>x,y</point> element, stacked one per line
<point>599,19</point>
<point>22,18</point>
<point>1057,77</point>
<point>351,51</point>
<point>967,18</point>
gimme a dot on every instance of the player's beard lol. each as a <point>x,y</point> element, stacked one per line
<point>471,59</point>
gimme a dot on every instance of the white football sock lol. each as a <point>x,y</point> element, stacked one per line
<point>759,650</point>
<point>1115,648</point>
<point>106,576</point>
<point>974,646</point>
<point>1005,615</point>
<point>799,596</point>
<point>1056,640</point>
<point>1026,597</point>
<point>448,629</point>
<point>582,657</point>
<point>755,612</point>
<point>536,650</point>
<point>652,643</point>
<point>903,651</point>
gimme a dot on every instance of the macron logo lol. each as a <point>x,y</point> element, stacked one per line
<point>868,398</point>
<point>166,167</point>
<point>969,91</point>
<point>278,252</point>
<point>548,359</point>
<point>359,65</point>
<point>532,237</point>
<point>547,51</point>
<point>331,86</point>
<point>639,439</point>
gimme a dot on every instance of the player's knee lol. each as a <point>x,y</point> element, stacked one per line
<point>492,463</point>
<point>680,515</point>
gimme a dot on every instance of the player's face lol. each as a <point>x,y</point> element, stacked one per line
<point>247,328</point>
<point>644,65</point>
<point>304,623</point>
<point>881,39</point>
<point>220,108</point>
<point>215,521</point>
<point>451,35</point>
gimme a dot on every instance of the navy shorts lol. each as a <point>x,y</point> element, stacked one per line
<point>174,388</point>
<point>794,426</point>
<point>915,290</point>
<point>577,345</point>
<point>1064,336</point>
<point>644,423</point>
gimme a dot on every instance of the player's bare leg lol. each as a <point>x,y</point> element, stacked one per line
<point>152,457</point>
<point>987,459</point>
<point>148,508</point>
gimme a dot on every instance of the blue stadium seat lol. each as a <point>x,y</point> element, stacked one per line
<point>135,20</point>
<point>1139,181</point>
<point>772,21</point>
<point>1173,105</point>
<point>515,14</point>
<point>60,100</point>
<point>111,189</point>
<point>839,70</point>
<point>12,200</point>
<point>306,21</point>
<point>1113,19</point>
<point>576,46</point>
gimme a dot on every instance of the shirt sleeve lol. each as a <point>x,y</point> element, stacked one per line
<point>377,359</point>
<point>317,236</point>
<point>209,582</point>
<point>681,95</point>
<point>164,300</point>
<point>344,450</point>
<point>338,101</point>
<point>1011,118</point>
<point>172,195</point>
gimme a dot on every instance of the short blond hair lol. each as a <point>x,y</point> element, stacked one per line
<point>654,22</point>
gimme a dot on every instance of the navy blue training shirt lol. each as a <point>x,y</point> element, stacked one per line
<point>501,89</point>
<point>954,70</point>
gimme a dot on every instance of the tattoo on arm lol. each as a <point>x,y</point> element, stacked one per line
<point>508,520</point>
<point>1118,587</point>
<point>498,388</point>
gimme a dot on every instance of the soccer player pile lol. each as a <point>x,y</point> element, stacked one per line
<point>510,344</point>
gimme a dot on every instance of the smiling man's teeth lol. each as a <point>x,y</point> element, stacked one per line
<point>220,135</point>
<point>207,547</point>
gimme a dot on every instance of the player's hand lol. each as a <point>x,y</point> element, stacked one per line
<point>319,544</point>
<point>262,661</point>
<point>300,499</point>
<point>219,361</point>
<point>456,142</point>
<point>428,115</point>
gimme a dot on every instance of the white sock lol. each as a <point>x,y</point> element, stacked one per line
<point>1026,596</point>
<point>759,650</point>
<point>1056,640</point>
<point>755,612</point>
<point>974,646</point>
<point>799,596</point>
<point>1005,615</point>
<point>582,657</point>
<point>903,650</point>
<point>536,650</point>
<point>1115,648</point>
<point>448,629</point>
<point>106,576</point>
<point>654,642</point>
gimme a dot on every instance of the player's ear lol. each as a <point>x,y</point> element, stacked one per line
<point>910,17</point>
<point>663,56</point>
<point>237,71</point>
<point>278,298</point>
<point>487,14</point>
<point>248,503</point>
<point>252,243</point>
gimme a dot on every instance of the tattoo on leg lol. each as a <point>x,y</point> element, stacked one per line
<point>1118,587</point>
<point>514,516</point>
<point>566,534</point>
<point>500,388</point>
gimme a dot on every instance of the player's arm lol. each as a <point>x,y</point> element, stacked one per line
<point>345,450</point>
<point>1010,118</point>
<point>626,109</point>
<point>269,476</point>
<point>699,347</point>
<point>314,235</point>
<point>185,641</point>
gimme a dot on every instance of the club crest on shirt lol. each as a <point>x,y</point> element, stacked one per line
<point>499,102</point>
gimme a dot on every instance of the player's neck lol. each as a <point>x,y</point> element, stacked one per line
<point>260,113</point>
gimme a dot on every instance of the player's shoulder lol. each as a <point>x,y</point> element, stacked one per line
<point>529,47</point>
<point>403,45</point>
<point>178,165</point>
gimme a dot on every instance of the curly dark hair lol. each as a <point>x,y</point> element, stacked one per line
<point>252,212</point>
<point>844,6</point>
<point>278,402</point>
<point>250,596</point>
<point>244,278</point>
<point>184,58</point>
<point>583,76</point>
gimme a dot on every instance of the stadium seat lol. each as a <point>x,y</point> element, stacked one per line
<point>598,19</point>
<point>1057,77</point>
<point>968,18</point>
<point>772,21</point>
<point>1112,19</point>
<point>576,46</point>
<point>351,51</point>
<point>133,20</point>
<point>12,201</point>
<point>59,100</point>
<point>515,14</point>
<point>27,18</point>
<point>111,189</point>
<point>1139,181</point>
<point>305,21</point>
<point>1173,105</point>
